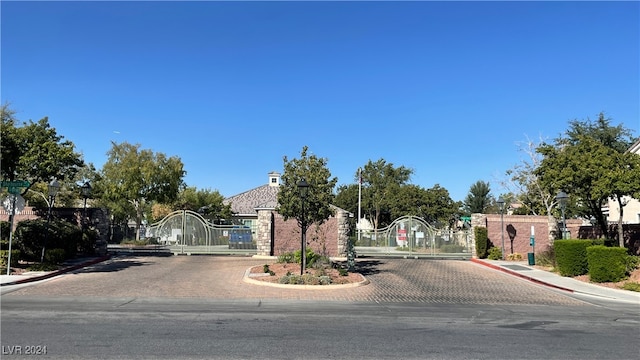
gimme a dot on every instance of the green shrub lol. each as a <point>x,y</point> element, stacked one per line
<point>495,253</point>
<point>324,280</point>
<point>5,231</point>
<point>286,258</point>
<point>482,241</point>
<point>30,236</point>
<point>43,267</point>
<point>546,258</point>
<point>4,257</point>
<point>607,264</point>
<point>571,256</point>
<point>55,256</point>
<point>452,248</point>
<point>141,242</point>
<point>632,262</point>
<point>632,286</point>
<point>514,257</point>
<point>343,272</point>
<point>265,268</point>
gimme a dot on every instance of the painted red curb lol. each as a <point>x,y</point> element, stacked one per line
<point>58,272</point>
<point>515,273</point>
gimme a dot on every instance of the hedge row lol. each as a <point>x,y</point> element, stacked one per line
<point>602,263</point>
<point>571,256</point>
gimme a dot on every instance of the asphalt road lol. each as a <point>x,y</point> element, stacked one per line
<point>199,308</point>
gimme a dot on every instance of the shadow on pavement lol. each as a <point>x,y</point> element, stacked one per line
<point>117,263</point>
<point>368,267</point>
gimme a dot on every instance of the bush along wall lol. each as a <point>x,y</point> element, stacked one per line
<point>607,263</point>
<point>4,257</point>
<point>30,236</point>
<point>571,256</point>
<point>482,242</point>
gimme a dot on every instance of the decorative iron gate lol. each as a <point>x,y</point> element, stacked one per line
<point>187,232</point>
<point>413,236</point>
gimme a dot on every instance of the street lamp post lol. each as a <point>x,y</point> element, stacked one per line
<point>86,192</point>
<point>303,187</point>
<point>562,199</point>
<point>501,206</point>
<point>52,189</point>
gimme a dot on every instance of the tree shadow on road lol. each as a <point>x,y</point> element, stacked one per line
<point>368,267</point>
<point>115,264</point>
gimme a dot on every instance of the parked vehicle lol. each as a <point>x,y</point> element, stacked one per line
<point>240,238</point>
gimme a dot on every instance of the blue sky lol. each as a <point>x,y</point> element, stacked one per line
<point>445,88</point>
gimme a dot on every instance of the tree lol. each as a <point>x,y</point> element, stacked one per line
<point>132,179</point>
<point>380,180</point>
<point>34,151</point>
<point>207,202</point>
<point>624,181</point>
<point>439,206</point>
<point>478,198</point>
<point>525,185</point>
<point>319,197</point>
<point>589,165</point>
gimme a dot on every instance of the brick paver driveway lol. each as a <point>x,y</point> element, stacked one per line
<point>221,277</point>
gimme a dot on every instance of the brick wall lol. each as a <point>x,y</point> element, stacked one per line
<point>322,239</point>
<point>517,231</point>
<point>29,213</point>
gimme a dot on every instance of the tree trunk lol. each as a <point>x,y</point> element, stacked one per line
<point>620,228</point>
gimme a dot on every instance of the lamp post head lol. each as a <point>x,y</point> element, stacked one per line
<point>86,190</point>
<point>303,187</point>
<point>501,204</point>
<point>53,188</point>
<point>562,198</point>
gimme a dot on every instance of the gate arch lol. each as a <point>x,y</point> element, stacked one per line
<point>413,236</point>
<point>183,228</point>
<point>186,231</point>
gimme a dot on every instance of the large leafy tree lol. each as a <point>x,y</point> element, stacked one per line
<point>438,205</point>
<point>319,196</point>
<point>34,151</point>
<point>207,202</point>
<point>381,181</point>
<point>591,164</point>
<point>132,179</point>
<point>479,197</point>
<point>525,185</point>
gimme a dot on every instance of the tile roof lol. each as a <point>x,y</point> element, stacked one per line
<point>265,197</point>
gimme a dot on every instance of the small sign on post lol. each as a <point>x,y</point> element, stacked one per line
<point>11,204</point>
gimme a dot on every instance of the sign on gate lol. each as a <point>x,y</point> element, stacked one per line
<point>401,235</point>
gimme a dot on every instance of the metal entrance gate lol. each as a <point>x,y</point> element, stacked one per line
<point>187,232</point>
<point>413,236</point>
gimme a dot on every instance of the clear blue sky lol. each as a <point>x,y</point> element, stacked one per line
<point>445,88</point>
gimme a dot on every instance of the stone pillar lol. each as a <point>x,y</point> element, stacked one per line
<point>263,233</point>
<point>342,218</point>
<point>477,220</point>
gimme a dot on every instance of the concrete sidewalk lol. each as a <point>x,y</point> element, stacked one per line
<point>70,265</point>
<point>546,278</point>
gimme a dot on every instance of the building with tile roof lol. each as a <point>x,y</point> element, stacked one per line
<point>256,208</point>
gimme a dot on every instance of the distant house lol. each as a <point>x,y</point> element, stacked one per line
<point>245,205</point>
<point>256,208</point>
<point>631,212</point>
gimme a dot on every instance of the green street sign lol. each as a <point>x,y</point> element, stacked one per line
<point>16,183</point>
<point>15,187</point>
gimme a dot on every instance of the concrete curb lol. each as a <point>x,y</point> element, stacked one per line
<point>515,273</point>
<point>59,271</point>
<point>247,278</point>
